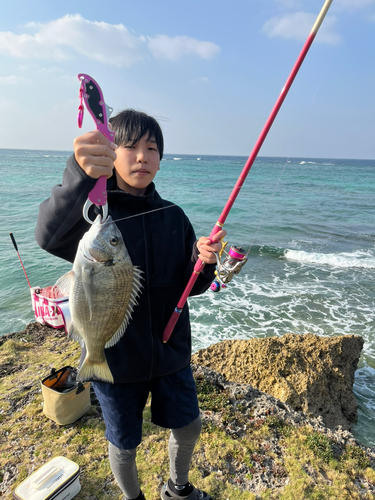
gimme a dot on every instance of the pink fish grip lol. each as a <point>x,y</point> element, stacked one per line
<point>92,94</point>
<point>98,194</point>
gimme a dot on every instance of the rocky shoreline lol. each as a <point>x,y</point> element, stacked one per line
<point>312,373</point>
<point>253,446</point>
<point>259,407</point>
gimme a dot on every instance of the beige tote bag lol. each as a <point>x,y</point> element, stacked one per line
<point>65,400</point>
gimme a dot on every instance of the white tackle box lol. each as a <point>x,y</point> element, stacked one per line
<point>58,479</point>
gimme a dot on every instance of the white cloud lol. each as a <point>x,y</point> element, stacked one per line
<point>298,26</point>
<point>59,39</point>
<point>107,43</point>
<point>12,80</point>
<point>28,46</point>
<point>165,47</point>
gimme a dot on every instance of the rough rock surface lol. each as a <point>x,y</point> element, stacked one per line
<point>258,407</point>
<point>244,412</point>
<point>310,373</point>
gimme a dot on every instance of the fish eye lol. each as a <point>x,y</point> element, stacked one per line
<point>114,240</point>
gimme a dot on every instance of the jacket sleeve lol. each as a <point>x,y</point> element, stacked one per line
<point>60,223</point>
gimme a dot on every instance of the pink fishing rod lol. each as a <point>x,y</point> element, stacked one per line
<point>219,224</point>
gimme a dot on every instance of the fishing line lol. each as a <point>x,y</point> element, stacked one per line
<point>236,258</point>
<point>144,213</point>
<point>275,188</point>
<point>287,160</point>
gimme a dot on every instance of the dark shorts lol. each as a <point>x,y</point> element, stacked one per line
<point>174,404</point>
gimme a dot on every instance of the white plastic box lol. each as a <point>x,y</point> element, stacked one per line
<point>58,479</point>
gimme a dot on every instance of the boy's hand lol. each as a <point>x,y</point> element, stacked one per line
<point>205,248</point>
<point>95,154</point>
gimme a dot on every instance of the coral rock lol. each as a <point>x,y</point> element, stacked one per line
<point>312,374</point>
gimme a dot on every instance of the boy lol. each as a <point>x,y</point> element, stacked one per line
<point>161,242</point>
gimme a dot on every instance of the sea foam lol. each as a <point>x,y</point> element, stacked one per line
<point>357,259</point>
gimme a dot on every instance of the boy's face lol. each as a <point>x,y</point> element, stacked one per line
<point>136,165</point>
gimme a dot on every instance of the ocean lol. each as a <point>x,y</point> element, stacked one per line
<point>308,224</point>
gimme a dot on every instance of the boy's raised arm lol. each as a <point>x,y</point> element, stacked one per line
<point>60,223</point>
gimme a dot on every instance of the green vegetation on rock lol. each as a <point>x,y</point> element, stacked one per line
<point>239,456</point>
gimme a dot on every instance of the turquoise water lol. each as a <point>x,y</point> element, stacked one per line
<point>308,225</point>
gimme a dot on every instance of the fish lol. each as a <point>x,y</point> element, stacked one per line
<point>103,287</point>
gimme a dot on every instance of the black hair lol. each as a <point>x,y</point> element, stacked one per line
<point>131,125</point>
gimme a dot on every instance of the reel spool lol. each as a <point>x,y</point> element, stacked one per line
<point>231,265</point>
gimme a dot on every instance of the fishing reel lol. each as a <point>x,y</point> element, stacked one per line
<point>232,264</point>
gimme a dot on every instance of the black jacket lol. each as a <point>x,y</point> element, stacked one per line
<point>160,243</point>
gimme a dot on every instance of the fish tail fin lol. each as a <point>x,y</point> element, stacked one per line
<point>91,369</point>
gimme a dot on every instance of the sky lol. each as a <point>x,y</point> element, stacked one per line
<point>210,71</point>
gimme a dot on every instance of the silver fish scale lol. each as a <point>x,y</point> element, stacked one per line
<point>115,289</point>
<point>113,300</point>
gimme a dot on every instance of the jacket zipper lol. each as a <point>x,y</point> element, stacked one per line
<point>151,370</point>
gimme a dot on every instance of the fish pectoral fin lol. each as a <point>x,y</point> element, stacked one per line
<point>64,283</point>
<point>88,286</point>
<point>94,370</point>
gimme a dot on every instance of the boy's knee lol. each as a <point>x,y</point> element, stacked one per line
<point>190,432</point>
<point>123,456</point>
<point>196,426</point>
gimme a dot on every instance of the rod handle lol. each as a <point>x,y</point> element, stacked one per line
<point>13,241</point>
<point>199,265</point>
<point>171,324</point>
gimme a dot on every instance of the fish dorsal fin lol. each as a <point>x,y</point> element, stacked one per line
<point>64,283</point>
<point>136,288</point>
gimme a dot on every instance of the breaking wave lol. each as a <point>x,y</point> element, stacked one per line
<point>357,259</point>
